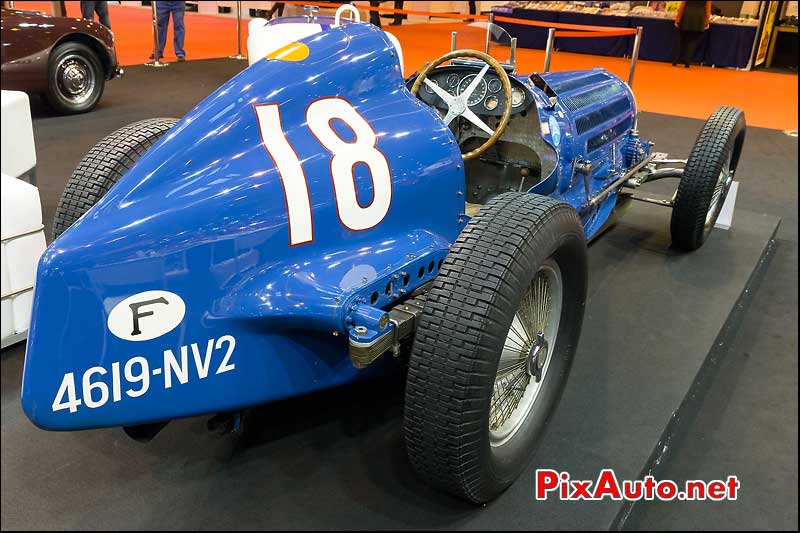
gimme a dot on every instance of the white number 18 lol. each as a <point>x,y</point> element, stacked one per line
<point>345,157</point>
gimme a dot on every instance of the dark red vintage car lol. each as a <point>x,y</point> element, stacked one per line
<point>66,59</point>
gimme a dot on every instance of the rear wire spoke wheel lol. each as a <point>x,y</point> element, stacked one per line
<point>103,166</point>
<point>707,178</point>
<point>494,344</point>
<point>524,360</point>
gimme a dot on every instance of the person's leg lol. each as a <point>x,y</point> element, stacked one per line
<point>678,49</point>
<point>471,12</point>
<point>398,17</point>
<point>691,46</point>
<point>178,29</point>
<point>102,13</point>
<point>87,10</point>
<point>374,16</point>
<point>162,16</point>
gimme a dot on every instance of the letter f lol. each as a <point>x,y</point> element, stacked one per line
<point>137,315</point>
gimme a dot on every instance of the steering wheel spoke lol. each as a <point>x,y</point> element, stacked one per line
<point>441,93</point>
<point>475,119</point>
<point>449,116</point>
<point>471,87</point>
<point>457,106</point>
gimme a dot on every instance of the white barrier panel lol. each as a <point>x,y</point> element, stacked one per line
<point>17,150</point>
<point>22,244</point>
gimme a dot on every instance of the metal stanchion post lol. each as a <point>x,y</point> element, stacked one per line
<point>489,32</point>
<point>512,59</point>
<point>636,43</point>
<point>238,32</point>
<point>156,61</point>
<point>548,54</point>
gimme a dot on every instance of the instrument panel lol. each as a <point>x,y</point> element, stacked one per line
<point>486,99</point>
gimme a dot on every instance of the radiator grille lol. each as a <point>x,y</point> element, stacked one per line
<point>577,83</point>
<point>599,94</point>
<point>604,114</point>
<point>609,135</point>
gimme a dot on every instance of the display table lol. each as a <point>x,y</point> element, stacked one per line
<point>776,33</point>
<point>723,45</point>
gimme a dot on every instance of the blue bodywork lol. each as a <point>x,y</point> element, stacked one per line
<point>203,215</point>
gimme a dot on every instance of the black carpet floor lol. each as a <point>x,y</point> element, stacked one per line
<point>747,424</point>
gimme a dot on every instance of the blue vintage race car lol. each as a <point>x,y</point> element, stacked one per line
<point>319,219</point>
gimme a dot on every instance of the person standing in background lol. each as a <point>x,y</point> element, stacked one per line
<point>692,20</point>
<point>374,16</point>
<point>59,8</point>
<point>471,11</point>
<point>277,6</point>
<point>88,9</point>
<point>164,9</point>
<point>398,17</point>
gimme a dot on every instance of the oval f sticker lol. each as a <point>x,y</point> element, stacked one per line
<point>146,315</point>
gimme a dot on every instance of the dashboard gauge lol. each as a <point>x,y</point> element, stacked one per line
<point>478,94</point>
<point>452,80</point>
<point>428,88</point>
<point>517,97</point>
<point>495,85</point>
<point>490,103</point>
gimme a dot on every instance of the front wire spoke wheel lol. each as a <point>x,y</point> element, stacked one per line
<point>524,362</point>
<point>720,192</point>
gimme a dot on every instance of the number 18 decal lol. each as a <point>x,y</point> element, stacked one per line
<point>345,156</point>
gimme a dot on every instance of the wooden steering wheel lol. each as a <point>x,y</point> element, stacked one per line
<point>457,105</point>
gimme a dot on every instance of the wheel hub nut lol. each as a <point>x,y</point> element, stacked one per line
<point>537,356</point>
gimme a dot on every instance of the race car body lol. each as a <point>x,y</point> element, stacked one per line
<point>266,237</point>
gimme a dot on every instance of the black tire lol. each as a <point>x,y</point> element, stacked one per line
<point>83,60</point>
<point>103,166</point>
<point>696,205</point>
<point>461,333</point>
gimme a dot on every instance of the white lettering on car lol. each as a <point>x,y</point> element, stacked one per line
<point>137,376</point>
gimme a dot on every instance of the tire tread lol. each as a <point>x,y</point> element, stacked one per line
<point>103,166</point>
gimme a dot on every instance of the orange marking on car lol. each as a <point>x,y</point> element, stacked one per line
<point>290,52</point>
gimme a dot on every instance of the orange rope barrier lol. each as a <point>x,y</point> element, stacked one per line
<point>583,34</point>
<point>395,11</point>
<point>558,25</point>
<point>612,31</point>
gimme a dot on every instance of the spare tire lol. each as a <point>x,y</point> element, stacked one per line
<point>103,166</point>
